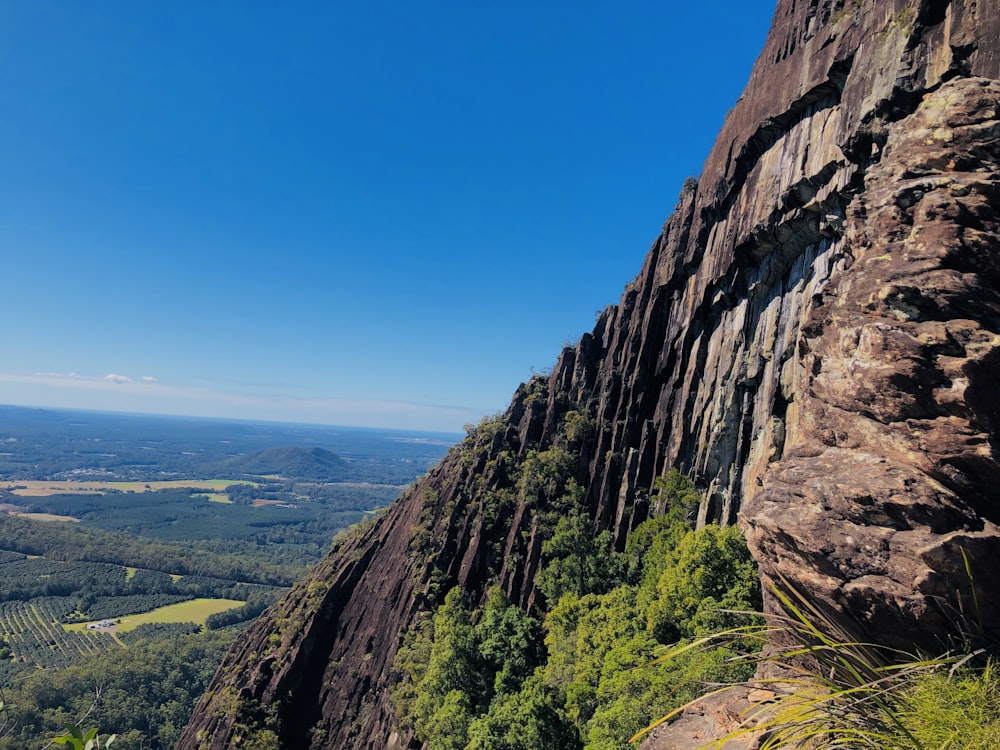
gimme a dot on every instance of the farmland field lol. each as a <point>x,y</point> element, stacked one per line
<point>215,497</point>
<point>35,638</point>
<point>198,484</point>
<point>195,610</point>
<point>49,517</point>
<point>44,488</point>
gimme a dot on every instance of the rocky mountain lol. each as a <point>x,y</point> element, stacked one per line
<point>814,338</point>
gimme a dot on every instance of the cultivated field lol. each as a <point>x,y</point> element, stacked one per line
<point>216,497</point>
<point>195,610</point>
<point>35,636</point>
<point>46,517</point>
<point>44,488</point>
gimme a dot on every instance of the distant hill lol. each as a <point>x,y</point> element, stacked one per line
<point>294,462</point>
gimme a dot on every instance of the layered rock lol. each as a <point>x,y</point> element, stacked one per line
<point>813,337</point>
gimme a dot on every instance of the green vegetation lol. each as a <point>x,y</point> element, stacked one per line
<point>80,740</point>
<point>299,525</point>
<point>144,694</point>
<point>939,709</point>
<point>33,636</point>
<point>78,543</point>
<point>195,610</point>
<point>215,497</point>
<point>151,631</point>
<point>849,9</point>
<point>38,596</point>
<point>835,689</point>
<point>578,561</point>
<point>52,575</point>
<point>581,674</point>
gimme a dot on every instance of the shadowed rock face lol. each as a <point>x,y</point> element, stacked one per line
<point>813,337</point>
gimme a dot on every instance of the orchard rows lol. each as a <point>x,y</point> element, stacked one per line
<point>34,635</point>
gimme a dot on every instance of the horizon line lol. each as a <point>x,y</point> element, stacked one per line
<point>205,418</point>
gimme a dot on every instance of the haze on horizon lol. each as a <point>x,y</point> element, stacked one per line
<point>351,214</point>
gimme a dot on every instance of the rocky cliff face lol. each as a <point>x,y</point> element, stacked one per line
<point>814,337</point>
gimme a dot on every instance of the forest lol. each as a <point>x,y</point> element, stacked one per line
<point>143,680</point>
<point>145,692</point>
<point>294,524</point>
<point>581,672</point>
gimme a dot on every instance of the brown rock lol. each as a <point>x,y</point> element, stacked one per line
<point>894,475</point>
<point>720,715</point>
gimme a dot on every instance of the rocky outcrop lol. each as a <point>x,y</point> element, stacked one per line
<point>813,337</point>
<point>889,478</point>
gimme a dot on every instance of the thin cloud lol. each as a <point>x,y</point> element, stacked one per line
<point>71,381</point>
<point>147,395</point>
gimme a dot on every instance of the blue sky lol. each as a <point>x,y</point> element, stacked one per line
<point>367,213</point>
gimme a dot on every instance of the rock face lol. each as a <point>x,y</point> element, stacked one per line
<point>890,468</point>
<point>814,337</point>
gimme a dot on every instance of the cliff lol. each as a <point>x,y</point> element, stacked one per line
<point>813,338</point>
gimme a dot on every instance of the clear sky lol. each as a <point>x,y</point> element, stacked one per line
<point>368,213</point>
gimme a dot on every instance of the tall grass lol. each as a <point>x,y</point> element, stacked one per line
<point>819,687</point>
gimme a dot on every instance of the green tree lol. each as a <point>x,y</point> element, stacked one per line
<point>545,476</point>
<point>448,727</point>
<point>577,561</point>
<point>482,679</point>
<point>510,642</point>
<point>635,689</point>
<point>147,692</point>
<point>580,633</point>
<point>410,666</point>
<point>529,719</point>
<point>453,684</point>
<point>709,571</point>
<point>675,494</point>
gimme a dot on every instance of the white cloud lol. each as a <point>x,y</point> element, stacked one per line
<point>115,378</point>
<point>149,379</point>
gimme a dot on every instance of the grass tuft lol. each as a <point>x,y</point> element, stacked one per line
<point>824,688</point>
